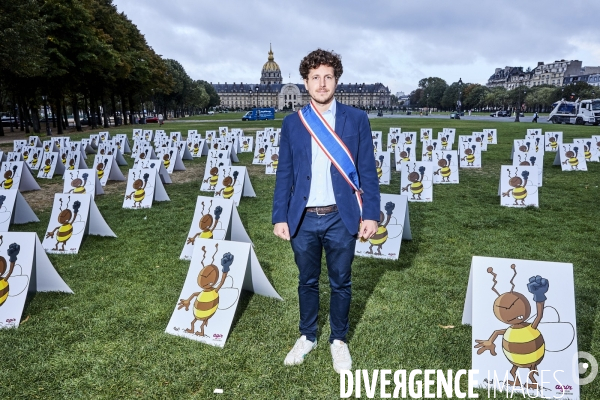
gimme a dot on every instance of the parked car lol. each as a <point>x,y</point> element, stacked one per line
<point>211,113</point>
<point>152,120</point>
<point>6,121</point>
<point>501,113</point>
<point>454,115</point>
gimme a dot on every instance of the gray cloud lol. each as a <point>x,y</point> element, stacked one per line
<point>393,42</point>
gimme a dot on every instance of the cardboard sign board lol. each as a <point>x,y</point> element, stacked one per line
<point>82,181</point>
<point>18,144</point>
<point>492,135</point>
<point>426,134</point>
<point>404,153</point>
<point>260,153</point>
<point>192,132</point>
<point>590,149</point>
<point>160,132</point>
<point>78,148</point>
<point>15,175</point>
<point>222,144</point>
<point>148,134</point>
<point>183,150</point>
<point>104,136</point>
<point>206,306</point>
<point>28,270</point>
<point>144,152</point>
<point>528,159</point>
<point>274,139</point>
<point>416,180</point>
<point>86,146</point>
<point>246,144</point>
<point>596,142</point>
<point>534,132</point>
<point>518,186</point>
<point>223,130</point>
<point>158,166</point>
<point>73,216</point>
<point>211,174</point>
<point>137,133</point>
<point>446,166</point>
<point>470,154</point>
<point>234,183</point>
<point>143,187</point>
<point>196,146</point>
<point>382,164</point>
<point>377,137</point>
<point>218,157</point>
<point>175,136</point>
<point>260,136</point>
<point>273,158</point>
<point>162,141</point>
<point>429,146</point>
<point>209,135</point>
<point>538,141</point>
<point>536,330</point>
<point>74,162</point>
<point>553,140</point>
<point>112,149</point>
<point>214,218</point>
<point>107,169</point>
<point>14,156</point>
<point>395,131</point>
<point>393,140</point>
<point>480,137</point>
<point>35,157</point>
<point>446,140</point>
<point>123,143</point>
<point>34,141</point>
<point>394,225</point>
<point>50,165</point>
<point>14,209</point>
<point>531,147</point>
<point>171,159</point>
<point>570,157</point>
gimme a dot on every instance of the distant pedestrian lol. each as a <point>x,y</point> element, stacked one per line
<point>160,119</point>
<point>535,117</point>
<point>469,113</point>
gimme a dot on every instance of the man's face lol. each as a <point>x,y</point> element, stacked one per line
<point>321,84</point>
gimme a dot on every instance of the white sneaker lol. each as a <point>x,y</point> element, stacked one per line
<point>341,356</point>
<point>299,351</point>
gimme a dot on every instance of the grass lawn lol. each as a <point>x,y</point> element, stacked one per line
<point>107,340</point>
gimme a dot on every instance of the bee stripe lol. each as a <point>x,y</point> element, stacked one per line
<point>416,187</point>
<point>519,193</point>
<point>64,233</point>
<point>139,195</point>
<point>206,235</point>
<point>525,360</point>
<point>3,291</point>
<point>573,161</point>
<point>523,348</point>
<point>79,190</point>
<point>8,183</point>
<point>206,304</point>
<point>521,335</point>
<point>228,192</point>
<point>446,172</point>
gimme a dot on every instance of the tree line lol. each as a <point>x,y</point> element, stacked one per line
<point>434,92</point>
<point>83,56</point>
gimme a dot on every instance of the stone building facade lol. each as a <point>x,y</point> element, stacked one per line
<point>557,73</point>
<point>272,92</point>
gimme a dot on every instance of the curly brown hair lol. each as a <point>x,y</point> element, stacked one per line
<point>321,57</point>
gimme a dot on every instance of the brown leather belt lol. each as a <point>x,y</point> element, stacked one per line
<point>322,210</point>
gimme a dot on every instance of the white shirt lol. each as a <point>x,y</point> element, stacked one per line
<point>321,188</point>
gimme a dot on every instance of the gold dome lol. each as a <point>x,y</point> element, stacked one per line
<point>271,65</point>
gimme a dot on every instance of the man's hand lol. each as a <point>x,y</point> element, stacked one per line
<point>367,229</point>
<point>282,230</point>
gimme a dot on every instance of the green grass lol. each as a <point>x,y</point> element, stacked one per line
<point>107,340</point>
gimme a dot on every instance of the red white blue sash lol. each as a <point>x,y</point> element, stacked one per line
<point>333,147</point>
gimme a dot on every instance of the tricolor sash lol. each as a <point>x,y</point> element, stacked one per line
<point>333,147</point>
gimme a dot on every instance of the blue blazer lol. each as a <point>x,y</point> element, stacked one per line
<point>292,183</point>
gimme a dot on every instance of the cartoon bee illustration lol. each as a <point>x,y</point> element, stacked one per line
<point>142,156</point>
<point>261,153</point>
<point>25,155</point>
<point>139,194</point>
<point>375,147</point>
<point>272,139</point>
<point>228,182</point>
<point>523,343</point>
<point>444,142</point>
<point>9,175</point>
<point>537,144</point>
<point>381,236</point>
<point>553,142</point>
<point>167,159</point>
<point>245,145</point>
<point>379,166</point>
<point>12,252</point>
<point>207,300</point>
<point>525,147</point>
<point>408,139</point>
<point>48,165</point>
<point>64,157</point>
<point>78,184</point>
<point>404,155</point>
<point>519,192</point>
<point>416,179</point>
<point>207,224</point>
<point>571,155</point>
<point>274,162</point>
<point>524,161</point>
<point>587,151</point>
<point>32,142</point>
<point>47,148</point>
<point>429,153</point>
<point>490,137</point>
<point>66,218</point>
<point>100,168</point>
<point>35,159</point>
<point>426,135</point>
<point>72,163</point>
<point>393,142</point>
<point>469,155</point>
<point>444,169</point>
<point>213,179</point>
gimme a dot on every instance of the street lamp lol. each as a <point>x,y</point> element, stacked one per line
<point>45,98</point>
<point>359,96</point>
<point>518,110</point>
<point>458,102</point>
<point>427,113</point>
<point>256,88</point>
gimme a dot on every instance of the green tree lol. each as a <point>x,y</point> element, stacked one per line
<point>433,92</point>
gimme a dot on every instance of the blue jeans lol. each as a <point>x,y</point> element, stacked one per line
<point>318,232</point>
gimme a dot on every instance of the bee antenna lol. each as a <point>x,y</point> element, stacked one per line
<point>60,208</point>
<point>514,267</point>
<point>204,256</point>
<point>209,206</point>
<point>490,270</point>
<point>216,250</point>
<point>68,201</point>
<point>202,212</point>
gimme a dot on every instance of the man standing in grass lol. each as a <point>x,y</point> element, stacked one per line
<point>326,194</point>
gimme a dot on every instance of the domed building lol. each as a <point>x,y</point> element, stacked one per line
<point>272,92</point>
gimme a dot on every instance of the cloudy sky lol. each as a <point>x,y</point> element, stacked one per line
<point>393,42</point>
